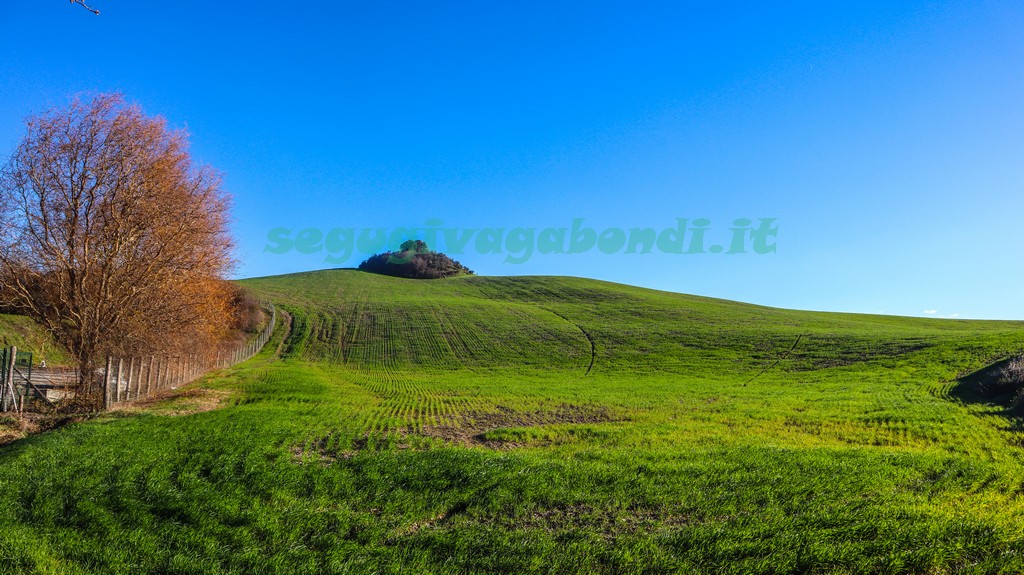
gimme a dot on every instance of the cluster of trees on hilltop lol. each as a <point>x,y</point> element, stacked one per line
<point>414,260</point>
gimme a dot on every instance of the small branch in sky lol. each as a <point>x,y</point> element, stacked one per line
<point>86,6</point>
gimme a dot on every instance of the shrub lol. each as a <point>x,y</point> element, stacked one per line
<point>414,260</point>
<point>1011,380</point>
<point>247,313</point>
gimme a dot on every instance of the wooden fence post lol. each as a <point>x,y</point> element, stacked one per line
<point>131,376</point>
<point>128,387</point>
<point>3,380</point>
<point>106,384</point>
<point>12,355</point>
<point>10,375</point>
<point>117,382</point>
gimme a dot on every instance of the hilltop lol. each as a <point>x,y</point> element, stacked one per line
<point>414,259</point>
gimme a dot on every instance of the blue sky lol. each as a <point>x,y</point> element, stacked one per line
<point>886,139</point>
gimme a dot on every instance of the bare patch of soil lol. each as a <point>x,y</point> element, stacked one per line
<point>176,402</point>
<point>473,426</point>
<point>318,451</point>
<point>586,517</point>
<point>471,430</point>
<point>14,427</point>
<point>10,431</point>
<point>610,523</point>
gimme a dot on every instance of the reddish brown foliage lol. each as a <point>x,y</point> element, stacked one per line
<point>111,236</point>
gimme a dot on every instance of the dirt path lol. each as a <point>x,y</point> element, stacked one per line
<point>287,317</point>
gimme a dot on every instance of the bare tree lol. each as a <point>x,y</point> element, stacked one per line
<point>110,236</point>
<point>86,6</point>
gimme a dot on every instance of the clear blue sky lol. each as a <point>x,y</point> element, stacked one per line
<point>886,138</point>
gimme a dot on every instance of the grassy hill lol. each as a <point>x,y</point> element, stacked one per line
<point>26,335</point>
<point>541,425</point>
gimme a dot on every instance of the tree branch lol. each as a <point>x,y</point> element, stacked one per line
<point>86,6</point>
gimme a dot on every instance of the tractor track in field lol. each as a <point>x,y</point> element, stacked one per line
<point>593,347</point>
<point>284,337</point>
<point>778,360</point>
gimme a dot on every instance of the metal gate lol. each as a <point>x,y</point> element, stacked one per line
<point>16,387</point>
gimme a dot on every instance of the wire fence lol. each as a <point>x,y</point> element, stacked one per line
<point>120,380</point>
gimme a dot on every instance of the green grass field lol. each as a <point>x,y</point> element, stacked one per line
<point>541,425</point>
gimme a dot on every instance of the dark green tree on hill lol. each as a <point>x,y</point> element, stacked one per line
<point>414,259</point>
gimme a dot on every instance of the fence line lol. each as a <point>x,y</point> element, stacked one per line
<point>121,379</point>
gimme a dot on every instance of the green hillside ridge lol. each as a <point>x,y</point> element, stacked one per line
<point>26,335</point>
<point>541,425</point>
